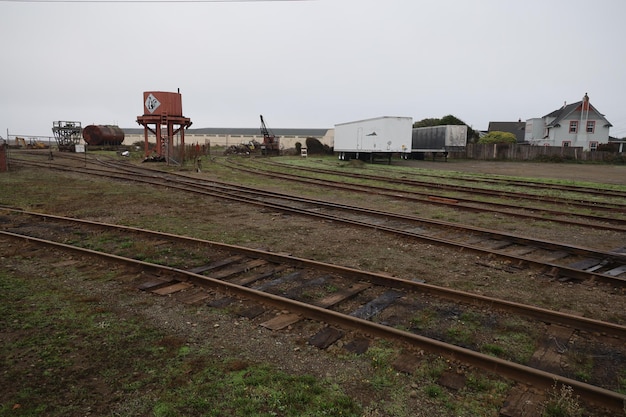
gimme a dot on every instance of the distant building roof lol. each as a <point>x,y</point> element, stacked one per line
<point>568,109</point>
<point>236,131</point>
<point>516,128</point>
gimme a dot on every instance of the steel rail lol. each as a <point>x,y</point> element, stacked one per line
<point>477,178</point>
<point>541,314</point>
<point>192,181</point>
<point>615,257</point>
<point>517,372</point>
<point>474,190</point>
<point>555,269</point>
<point>455,202</point>
<point>604,223</point>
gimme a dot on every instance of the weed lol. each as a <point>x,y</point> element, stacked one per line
<point>492,349</point>
<point>424,319</point>
<point>147,371</point>
<point>562,403</point>
<point>434,391</point>
<point>461,334</point>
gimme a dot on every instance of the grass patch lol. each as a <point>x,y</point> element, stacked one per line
<point>106,362</point>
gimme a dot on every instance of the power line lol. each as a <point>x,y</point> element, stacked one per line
<point>146,1</point>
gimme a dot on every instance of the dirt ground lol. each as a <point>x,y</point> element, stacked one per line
<point>325,241</point>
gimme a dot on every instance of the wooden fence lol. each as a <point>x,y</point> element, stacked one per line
<point>537,153</point>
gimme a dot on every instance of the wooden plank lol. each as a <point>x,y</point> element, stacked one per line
<point>556,255</point>
<point>325,337</point>
<point>452,380</point>
<point>313,282</point>
<point>221,302</point>
<point>278,281</point>
<point>548,355</point>
<point>251,312</point>
<point>236,269</point>
<point>406,363</point>
<point>155,283</point>
<point>521,250</point>
<point>65,263</point>
<point>616,271</point>
<point>281,321</point>
<point>358,346</point>
<point>496,244</point>
<point>377,305</point>
<point>619,250</point>
<point>522,402</point>
<point>171,289</point>
<point>159,242</point>
<point>442,199</point>
<point>246,280</point>
<point>196,298</point>
<point>585,263</point>
<point>339,296</point>
<point>217,264</point>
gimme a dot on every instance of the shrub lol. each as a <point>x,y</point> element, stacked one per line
<point>497,137</point>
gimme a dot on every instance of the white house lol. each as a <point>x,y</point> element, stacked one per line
<point>578,124</point>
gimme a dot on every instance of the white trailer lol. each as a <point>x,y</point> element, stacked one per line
<point>371,138</point>
<point>437,140</point>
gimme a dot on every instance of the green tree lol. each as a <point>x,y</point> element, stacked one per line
<point>427,123</point>
<point>497,137</point>
<point>449,119</point>
<point>315,147</point>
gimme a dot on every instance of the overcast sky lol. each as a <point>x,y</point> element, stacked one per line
<point>309,64</point>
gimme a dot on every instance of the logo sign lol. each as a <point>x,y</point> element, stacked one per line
<point>152,103</point>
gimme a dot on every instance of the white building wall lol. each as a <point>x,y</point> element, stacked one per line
<point>286,142</point>
<point>536,131</point>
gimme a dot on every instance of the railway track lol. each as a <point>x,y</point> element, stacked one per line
<point>491,180</point>
<point>614,221</point>
<point>345,298</point>
<point>580,198</point>
<point>556,260</point>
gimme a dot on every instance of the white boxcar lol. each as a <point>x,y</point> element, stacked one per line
<point>369,138</point>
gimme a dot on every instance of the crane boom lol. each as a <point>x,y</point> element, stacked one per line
<point>270,142</point>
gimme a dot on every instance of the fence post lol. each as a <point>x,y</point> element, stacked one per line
<point>3,157</point>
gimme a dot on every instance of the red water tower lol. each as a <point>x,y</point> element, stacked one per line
<point>163,117</point>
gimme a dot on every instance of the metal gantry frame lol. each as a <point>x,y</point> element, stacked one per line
<point>67,134</point>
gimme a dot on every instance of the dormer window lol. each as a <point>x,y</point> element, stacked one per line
<point>573,126</point>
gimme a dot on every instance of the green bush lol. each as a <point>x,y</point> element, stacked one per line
<point>497,137</point>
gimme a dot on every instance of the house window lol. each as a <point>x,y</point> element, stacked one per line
<point>593,146</point>
<point>566,143</point>
<point>573,126</point>
<point>591,126</point>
